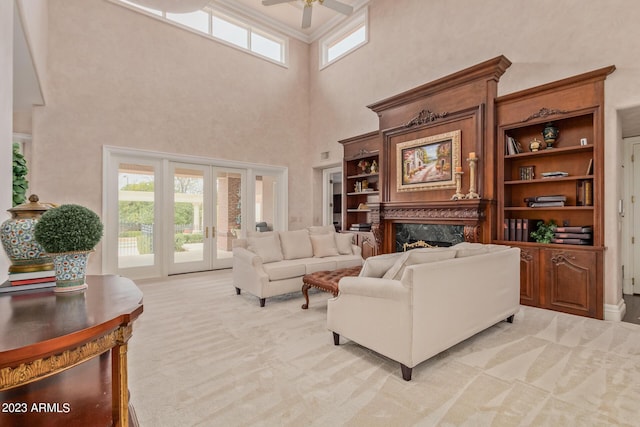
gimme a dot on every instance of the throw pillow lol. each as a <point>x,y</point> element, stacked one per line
<point>267,248</point>
<point>376,266</point>
<point>321,229</point>
<point>296,244</point>
<point>324,245</point>
<point>344,242</point>
<point>417,256</point>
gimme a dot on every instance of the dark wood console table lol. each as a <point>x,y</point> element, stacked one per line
<point>55,367</point>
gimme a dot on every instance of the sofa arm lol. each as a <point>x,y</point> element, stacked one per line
<point>373,287</point>
<point>357,250</point>
<point>245,256</point>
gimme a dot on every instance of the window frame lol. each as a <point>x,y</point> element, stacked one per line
<point>224,15</point>
<point>358,20</point>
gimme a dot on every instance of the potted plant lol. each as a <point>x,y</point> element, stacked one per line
<point>69,233</point>
<point>20,170</point>
<point>545,232</point>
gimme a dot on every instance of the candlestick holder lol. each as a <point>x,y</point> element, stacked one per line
<point>473,163</point>
<point>458,195</point>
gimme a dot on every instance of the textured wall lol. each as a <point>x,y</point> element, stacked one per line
<point>117,77</point>
<point>413,42</point>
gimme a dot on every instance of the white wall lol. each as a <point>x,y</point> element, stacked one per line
<point>413,42</point>
<point>120,78</point>
<point>6,116</point>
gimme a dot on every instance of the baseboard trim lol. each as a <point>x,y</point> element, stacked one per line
<point>615,312</point>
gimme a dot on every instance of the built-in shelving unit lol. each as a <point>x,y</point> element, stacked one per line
<point>555,275</point>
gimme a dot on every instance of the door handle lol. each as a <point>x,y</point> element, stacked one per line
<point>206,232</point>
<point>213,232</point>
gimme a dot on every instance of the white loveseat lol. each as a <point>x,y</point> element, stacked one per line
<point>273,263</point>
<point>416,304</point>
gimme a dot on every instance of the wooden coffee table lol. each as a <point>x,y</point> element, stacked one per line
<point>326,281</point>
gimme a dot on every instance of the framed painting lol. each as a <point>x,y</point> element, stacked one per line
<point>428,163</point>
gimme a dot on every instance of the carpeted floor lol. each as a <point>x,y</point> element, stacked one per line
<point>202,356</point>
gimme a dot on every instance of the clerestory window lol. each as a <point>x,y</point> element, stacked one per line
<point>225,28</point>
<point>345,39</point>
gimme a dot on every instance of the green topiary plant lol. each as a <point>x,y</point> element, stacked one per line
<point>20,170</point>
<point>545,232</point>
<point>68,228</point>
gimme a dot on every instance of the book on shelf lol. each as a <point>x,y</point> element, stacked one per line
<point>555,204</point>
<point>519,229</point>
<point>8,287</point>
<point>512,146</point>
<point>583,236</point>
<point>571,241</point>
<point>553,198</point>
<point>527,173</point>
<point>555,174</point>
<point>575,229</point>
<point>590,167</point>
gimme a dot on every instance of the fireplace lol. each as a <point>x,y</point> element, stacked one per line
<point>440,235</point>
<point>437,223</point>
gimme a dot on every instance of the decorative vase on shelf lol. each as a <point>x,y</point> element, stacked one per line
<point>71,269</point>
<point>550,134</point>
<point>536,145</point>
<point>17,235</point>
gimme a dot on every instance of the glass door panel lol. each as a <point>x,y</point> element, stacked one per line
<point>228,214</point>
<point>190,220</point>
<point>265,201</point>
<point>136,215</point>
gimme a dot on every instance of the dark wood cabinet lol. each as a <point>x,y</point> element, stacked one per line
<point>367,242</point>
<point>563,275</point>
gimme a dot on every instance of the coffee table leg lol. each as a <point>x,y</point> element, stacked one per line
<point>305,292</point>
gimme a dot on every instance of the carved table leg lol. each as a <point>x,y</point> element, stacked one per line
<point>305,292</point>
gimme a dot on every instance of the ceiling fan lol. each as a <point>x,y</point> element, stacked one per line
<point>306,14</point>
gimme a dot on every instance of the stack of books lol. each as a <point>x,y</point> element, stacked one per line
<point>365,226</point>
<point>579,235</point>
<point>30,280</point>
<point>512,146</point>
<point>545,201</point>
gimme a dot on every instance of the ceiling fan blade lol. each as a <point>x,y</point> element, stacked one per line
<point>338,6</point>
<point>272,2</point>
<point>306,16</point>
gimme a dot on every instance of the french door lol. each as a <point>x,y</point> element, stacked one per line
<point>170,214</point>
<point>206,216</point>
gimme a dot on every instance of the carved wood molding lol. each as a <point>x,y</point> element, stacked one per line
<point>25,373</point>
<point>412,213</point>
<point>562,258</point>
<point>543,113</point>
<point>471,233</point>
<point>425,116</point>
<point>526,256</point>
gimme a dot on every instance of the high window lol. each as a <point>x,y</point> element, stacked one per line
<point>225,28</point>
<point>345,39</point>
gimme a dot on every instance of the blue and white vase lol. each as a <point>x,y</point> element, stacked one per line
<point>24,252</point>
<point>71,269</point>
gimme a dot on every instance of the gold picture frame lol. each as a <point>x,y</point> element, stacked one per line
<point>428,163</point>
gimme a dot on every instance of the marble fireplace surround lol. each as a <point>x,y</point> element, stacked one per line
<point>437,223</point>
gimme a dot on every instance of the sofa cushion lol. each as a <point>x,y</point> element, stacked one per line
<point>344,242</point>
<point>417,256</point>
<point>324,245</point>
<point>296,244</point>
<point>319,264</point>
<point>466,252</point>
<point>267,248</point>
<point>284,270</point>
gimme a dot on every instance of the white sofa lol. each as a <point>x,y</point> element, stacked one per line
<point>273,263</point>
<point>412,306</point>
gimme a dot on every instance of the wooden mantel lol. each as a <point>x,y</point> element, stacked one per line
<point>463,101</point>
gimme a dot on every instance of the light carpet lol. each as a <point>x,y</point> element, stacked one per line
<point>202,356</point>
